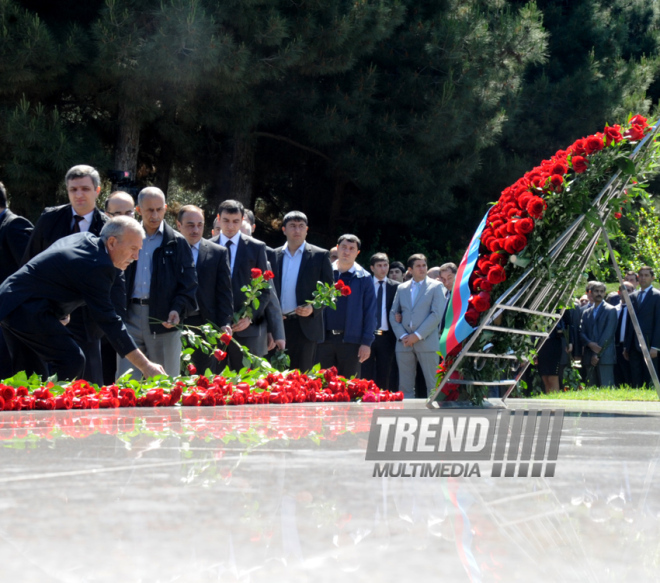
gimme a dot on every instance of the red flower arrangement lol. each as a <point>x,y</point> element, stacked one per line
<point>521,206</point>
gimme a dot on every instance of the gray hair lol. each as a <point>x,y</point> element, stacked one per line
<point>118,226</point>
<point>147,192</point>
<point>81,171</point>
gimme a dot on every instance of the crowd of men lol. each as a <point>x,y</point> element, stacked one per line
<point>92,294</point>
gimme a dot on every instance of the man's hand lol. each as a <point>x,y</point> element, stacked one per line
<point>410,340</point>
<point>653,352</point>
<point>173,319</point>
<point>152,369</point>
<point>226,329</point>
<point>594,347</point>
<point>625,354</point>
<point>594,360</point>
<point>64,321</point>
<point>569,348</point>
<point>270,342</point>
<point>364,352</point>
<point>398,317</point>
<point>281,344</point>
<point>241,325</point>
<point>304,311</point>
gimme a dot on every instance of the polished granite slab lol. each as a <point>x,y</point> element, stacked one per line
<point>284,493</point>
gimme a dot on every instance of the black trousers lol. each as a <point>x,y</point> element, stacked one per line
<point>639,373</point>
<point>301,350</point>
<point>378,367</point>
<point>5,358</point>
<point>622,373</point>
<point>52,352</point>
<point>335,352</point>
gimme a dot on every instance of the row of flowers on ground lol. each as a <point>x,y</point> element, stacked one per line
<point>247,388</point>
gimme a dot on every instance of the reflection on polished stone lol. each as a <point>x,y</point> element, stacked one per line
<point>283,493</point>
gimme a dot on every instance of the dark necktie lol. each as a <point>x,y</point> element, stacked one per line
<point>228,245</point>
<point>379,303</point>
<point>76,223</point>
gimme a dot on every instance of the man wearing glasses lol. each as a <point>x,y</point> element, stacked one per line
<point>120,203</point>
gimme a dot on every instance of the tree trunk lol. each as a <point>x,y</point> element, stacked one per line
<point>335,207</point>
<point>242,170</point>
<point>128,138</point>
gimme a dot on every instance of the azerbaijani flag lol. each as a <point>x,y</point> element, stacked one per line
<point>456,328</point>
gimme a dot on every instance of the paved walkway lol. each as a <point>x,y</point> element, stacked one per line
<point>284,493</point>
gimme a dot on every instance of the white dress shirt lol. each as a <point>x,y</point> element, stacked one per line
<point>232,248</point>
<point>290,270</point>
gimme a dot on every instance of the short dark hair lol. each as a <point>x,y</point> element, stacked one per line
<point>590,285</point>
<point>398,265</point>
<point>231,207</point>
<point>416,257</point>
<point>647,268</point>
<point>448,267</point>
<point>249,215</point>
<point>188,208</point>
<point>294,216</point>
<point>631,272</point>
<point>351,239</point>
<point>376,257</point>
<point>3,196</point>
<point>82,170</point>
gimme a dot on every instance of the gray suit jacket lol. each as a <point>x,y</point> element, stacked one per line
<point>601,330</point>
<point>423,317</point>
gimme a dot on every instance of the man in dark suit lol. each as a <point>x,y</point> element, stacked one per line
<point>378,366</point>
<point>646,303</point>
<point>597,330</point>
<point>83,185</point>
<point>80,269</point>
<point>214,295</point>
<point>15,234</point>
<point>349,330</point>
<point>160,286</point>
<point>622,366</point>
<point>246,254</point>
<point>298,268</point>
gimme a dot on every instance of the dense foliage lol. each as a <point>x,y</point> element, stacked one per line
<point>395,119</point>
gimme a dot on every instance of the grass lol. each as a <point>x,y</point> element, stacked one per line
<point>623,393</point>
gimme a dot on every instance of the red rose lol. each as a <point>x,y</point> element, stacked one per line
<point>536,206</point>
<point>496,275</point>
<point>255,272</point>
<point>220,354</point>
<point>192,369</point>
<point>524,226</point>
<point>472,317</point>
<point>613,134</point>
<point>515,244</point>
<point>486,285</point>
<point>639,120</point>
<point>578,148</point>
<point>579,164</point>
<point>556,181</point>
<point>346,291</point>
<point>268,275</point>
<point>594,144</point>
<point>498,259</point>
<point>635,133</point>
<point>190,400</point>
<point>340,284</point>
<point>480,302</point>
<point>560,168</point>
<point>617,216</point>
<point>225,339</point>
<point>523,199</point>
<point>494,245</point>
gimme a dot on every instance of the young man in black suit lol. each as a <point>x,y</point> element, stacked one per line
<point>214,294</point>
<point>646,303</point>
<point>299,266</point>
<point>15,234</point>
<point>83,186</point>
<point>378,366</point>
<point>80,269</point>
<point>246,254</point>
